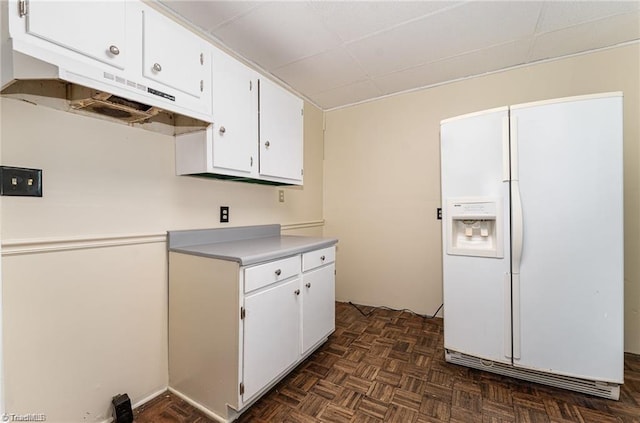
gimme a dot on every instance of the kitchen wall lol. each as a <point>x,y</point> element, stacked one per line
<point>84,268</point>
<point>382,176</point>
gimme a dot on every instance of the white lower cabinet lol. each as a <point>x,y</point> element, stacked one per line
<point>271,334</point>
<point>318,306</point>
<point>235,331</point>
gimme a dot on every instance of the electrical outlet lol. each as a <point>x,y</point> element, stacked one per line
<point>439,213</point>
<point>281,196</point>
<point>19,181</point>
<point>224,214</point>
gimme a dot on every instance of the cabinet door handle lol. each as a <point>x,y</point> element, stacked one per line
<point>267,144</point>
<point>308,285</point>
<point>278,272</point>
<point>322,258</point>
<point>222,130</point>
<point>157,67</point>
<point>297,292</point>
<point>114,50</point>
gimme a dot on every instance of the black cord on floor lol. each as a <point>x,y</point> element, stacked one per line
<point>394,309</point>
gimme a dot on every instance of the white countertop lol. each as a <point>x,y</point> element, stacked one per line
<point>266,246</point>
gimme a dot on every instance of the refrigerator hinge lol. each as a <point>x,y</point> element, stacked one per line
<point>22,8</point>
<point>242,313</point>
<point>241,388</point>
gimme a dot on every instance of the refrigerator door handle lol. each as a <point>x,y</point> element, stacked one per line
<point>506,173</point>
<point>513,135</point>
<point>516,316</point>
<point>507,315</point>
<point>517,229</point>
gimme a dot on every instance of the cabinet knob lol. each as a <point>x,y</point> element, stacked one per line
<point>322,258</point>
<point>267,144</point>
<point>114,50</point>
<point>278,272</point>
<point>297,292</point>
<point>222,130</point>
<point>157,67</point>
<point>308,285</point>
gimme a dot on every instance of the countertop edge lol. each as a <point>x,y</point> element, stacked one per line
<point>262,257</point>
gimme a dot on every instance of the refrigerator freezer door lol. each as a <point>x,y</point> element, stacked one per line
<point>571,268</point>
<point>477,300</point>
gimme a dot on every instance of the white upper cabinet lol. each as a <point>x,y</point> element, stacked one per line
<point>173,55</point>
<point>235,126</point>
<point>120,47</point>
<point>95,29</point>
<point>281,133</point>
<point>257,131</point>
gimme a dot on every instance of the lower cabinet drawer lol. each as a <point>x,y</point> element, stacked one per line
<point>318,258</point>
<point>260,275</point>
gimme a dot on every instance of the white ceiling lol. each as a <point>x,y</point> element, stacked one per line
<point>342,52</point>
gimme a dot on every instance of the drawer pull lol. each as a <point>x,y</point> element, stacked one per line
<point>157,67</point>
<point>278,272</point>
<point>114,50</point>
<point>297,292</point>
<point>322,258</point>
<point>308,285</point>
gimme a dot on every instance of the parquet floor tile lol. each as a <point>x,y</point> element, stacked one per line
<point>389,367</point>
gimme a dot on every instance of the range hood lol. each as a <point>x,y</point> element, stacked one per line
<point>114,99</point>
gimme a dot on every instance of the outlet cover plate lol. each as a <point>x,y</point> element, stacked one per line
<point>224,214</point>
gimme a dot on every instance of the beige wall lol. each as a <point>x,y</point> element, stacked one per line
<point>382,177</point>
<point>84,268</point>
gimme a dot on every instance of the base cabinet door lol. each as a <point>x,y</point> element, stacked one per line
<point>271,334</point>
<point>318,305</point>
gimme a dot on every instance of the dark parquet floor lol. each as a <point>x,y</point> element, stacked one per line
<point>389,367</point>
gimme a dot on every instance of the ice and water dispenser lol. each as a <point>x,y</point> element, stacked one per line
<point>474,227</point>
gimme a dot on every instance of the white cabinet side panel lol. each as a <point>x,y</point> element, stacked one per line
<point>204,318</point>
<point>571,272</point>
<point>474,291</point>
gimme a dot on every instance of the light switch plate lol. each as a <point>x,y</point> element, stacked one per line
<point>20,181</point>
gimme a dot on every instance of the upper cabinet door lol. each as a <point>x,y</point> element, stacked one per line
<point>235,111</point>
<point>93,28</point>
<point>173,55</point>
<point>281,134</point>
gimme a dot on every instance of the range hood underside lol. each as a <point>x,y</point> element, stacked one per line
<point>62,95</point>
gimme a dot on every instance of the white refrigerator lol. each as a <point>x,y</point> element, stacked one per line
<point>533,242</point>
